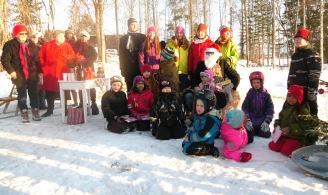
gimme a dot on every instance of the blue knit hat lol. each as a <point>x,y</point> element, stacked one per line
<point>235,118</point>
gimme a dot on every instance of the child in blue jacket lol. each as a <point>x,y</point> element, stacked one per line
<point>199,139</point>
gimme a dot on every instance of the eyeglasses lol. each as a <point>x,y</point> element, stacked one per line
<point>21,34</point>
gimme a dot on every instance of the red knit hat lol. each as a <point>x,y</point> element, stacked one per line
<point>297,91</point>
<point>303,33</point>
<point>19,28</point>
<point>224,29</point>
<point>202,27</point>
<point>145,68</point>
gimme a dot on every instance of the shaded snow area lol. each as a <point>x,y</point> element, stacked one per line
<point>49,157</point>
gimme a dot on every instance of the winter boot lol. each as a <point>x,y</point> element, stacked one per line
<point>24,115</point>
<point>94,109</point>
<point>35,114</point>
<point>215,152</point>
<point>48,113</point>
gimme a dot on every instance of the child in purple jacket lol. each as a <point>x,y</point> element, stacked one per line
<point>258,108</point>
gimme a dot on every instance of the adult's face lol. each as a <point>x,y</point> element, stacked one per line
<point>60,38</point>
<point>152,35</point>
<point>84,39</point>
<point>22,36</point>
<point>179,35</point>
<point>133,27</point>
<point>34,39</point>
<point>201,34</point>
<point>69,36</point>
<point>300,42</point>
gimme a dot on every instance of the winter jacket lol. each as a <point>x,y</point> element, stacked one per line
<point>197,51</point>
<point>288,117</point>
<point>129,55</point>
<point>149,57</point>
<point>182,59</point>
<point>229,51</point>
<point>305,70</point>
<point>114,104</point>
<point>11,61</point>
<point>139,103</point>
<point>234,140</point>
<point>54,59</point>
<point>258,106</point>
<point>205,128</point>
<point>87,51</point>
<point>168,71</point>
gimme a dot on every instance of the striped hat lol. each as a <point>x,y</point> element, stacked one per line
<point>167,53</point>
<point>235,118</point>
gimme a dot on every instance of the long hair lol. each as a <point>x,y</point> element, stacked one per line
<point>156,44</point>
<point>185,42</point>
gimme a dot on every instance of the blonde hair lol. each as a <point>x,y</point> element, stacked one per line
<point>233,104</point>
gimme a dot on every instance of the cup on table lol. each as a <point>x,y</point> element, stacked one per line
<point>71,76</point>
<point>65,76</point>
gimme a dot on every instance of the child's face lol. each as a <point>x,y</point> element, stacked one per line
<point>152,35</point>
<point>167,90</point>
<point>300,42</point>
<point>116,86</point>
<point>291,100</point>
<point>140,86</point>
<point>256,83</point>
<point>204,78</point>
<point>201,34</point>
<point>200,108</point>
<point>146,74</point>
<point>179,35</point>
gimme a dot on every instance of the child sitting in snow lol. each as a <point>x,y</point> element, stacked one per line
<point>234,136</point>
<point>258,108</point>
<point>199,139</point>
<point>114,105</point>
<point>167,112</point>
<point>140,100</point>
<point>149,78</point>
<point>289,126</point>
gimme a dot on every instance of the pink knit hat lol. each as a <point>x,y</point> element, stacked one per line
<point>151,29</point>
<point>208,73</point>
<point>179,29</point>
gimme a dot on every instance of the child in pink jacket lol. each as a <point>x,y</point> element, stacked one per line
<point>234,136</point>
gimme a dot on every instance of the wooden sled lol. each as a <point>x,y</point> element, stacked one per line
<point>5,101</point>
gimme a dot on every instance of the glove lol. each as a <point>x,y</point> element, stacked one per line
<point>265,127</point>
<point>249,126</point>
<point>245,157</point>
<point>311,95</point>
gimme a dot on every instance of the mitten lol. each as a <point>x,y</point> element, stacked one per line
<point>249,126</point>
<point>265,127</point>
<point>245,157</point>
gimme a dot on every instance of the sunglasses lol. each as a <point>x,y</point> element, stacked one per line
<point>22,34</point>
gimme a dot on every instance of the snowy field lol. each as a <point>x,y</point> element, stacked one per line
<point>50,157</point>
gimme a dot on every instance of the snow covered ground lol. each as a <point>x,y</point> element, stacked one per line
<point>49,157</point>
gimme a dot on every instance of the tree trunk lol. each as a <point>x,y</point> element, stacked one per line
<point>99,9</point>
<point>191,19</point>
<point>3,24</point>
<point>247,28</point>
<point>304,14</point>
<point>117,29</point>
<point>273,33</point>
<point>322,10</point>
<point>205,11</point>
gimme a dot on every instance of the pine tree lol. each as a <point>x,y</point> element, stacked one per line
<point>316,129</point>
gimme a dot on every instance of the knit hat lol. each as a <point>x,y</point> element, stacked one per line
<point>151,28</point>
<point>235,118</point>
<point>19,28</point>
<point>297,91</point>
<point>224,29</point>
<point>131,20</point>
<point>303,33</point>
<point>137,79</point>
<point>115,78</point>
<point>85,33</point>
<point>207,73</point>
<point>179,29</point>
<point>202,27</point>
<point>167,53</point>
<point>165,83</point>
<point>145,68</point>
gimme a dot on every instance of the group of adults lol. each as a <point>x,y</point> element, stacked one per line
<point>35,66</point>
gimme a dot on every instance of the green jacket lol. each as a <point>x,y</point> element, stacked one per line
<point>182,60</point>
<point>289,117</point>
<point>230,51</point>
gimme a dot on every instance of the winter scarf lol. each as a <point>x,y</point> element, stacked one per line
<point>24,54</point>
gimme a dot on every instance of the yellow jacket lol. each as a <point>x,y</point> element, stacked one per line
<point>182,55</point>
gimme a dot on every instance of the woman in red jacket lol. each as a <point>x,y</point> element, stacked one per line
<point>54,56</point>
<point>197,51</point>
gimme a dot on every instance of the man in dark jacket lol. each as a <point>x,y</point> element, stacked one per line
<point>20,60</point>
<point>305,69</point>
<point>129,47</point>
